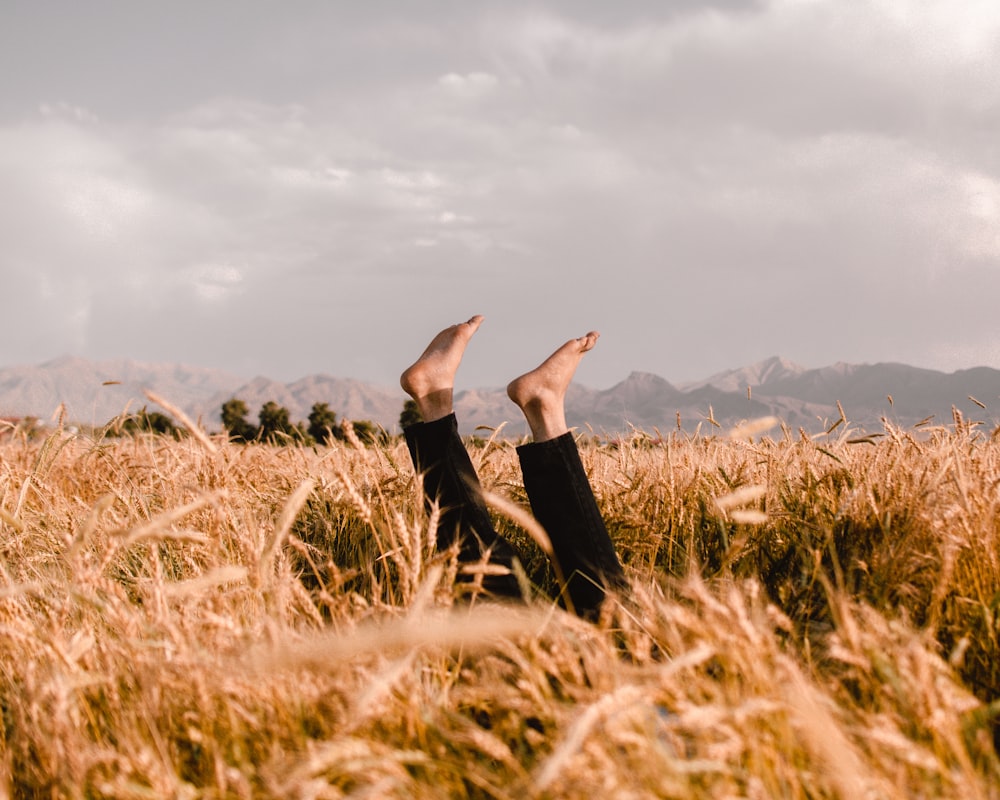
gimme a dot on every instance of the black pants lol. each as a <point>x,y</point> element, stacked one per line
<point>561,500</point>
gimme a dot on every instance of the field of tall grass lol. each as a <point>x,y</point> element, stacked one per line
<point>808,617</point>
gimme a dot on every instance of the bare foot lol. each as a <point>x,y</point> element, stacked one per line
<point>541,393</point>
<point>431,378</point>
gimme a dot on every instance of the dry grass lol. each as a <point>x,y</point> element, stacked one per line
<point>809,618</point>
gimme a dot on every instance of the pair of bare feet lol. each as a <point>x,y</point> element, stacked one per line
<point>540,394</point>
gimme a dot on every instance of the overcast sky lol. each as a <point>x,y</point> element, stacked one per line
<point>294,188</point>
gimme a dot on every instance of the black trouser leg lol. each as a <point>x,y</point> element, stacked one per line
<point>450,480</point>
<point>563,502</point>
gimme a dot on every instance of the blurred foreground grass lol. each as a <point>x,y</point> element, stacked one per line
<point>808,618</point>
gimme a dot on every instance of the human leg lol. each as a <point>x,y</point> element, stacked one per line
<point>440,457</point>
<point>449,479</point>
<point>560,494</point>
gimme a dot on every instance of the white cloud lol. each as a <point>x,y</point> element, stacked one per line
<point>104,207</point>
<point>980,233</point>
<point>71,198</point>
<point>945,30</point>
<point>215,282</point>
<point>451,218</point>
<point>470,85</point>
<point>323,179</point>
<point>422,180</point>
<point>567,133</point>
<point>68,111</point>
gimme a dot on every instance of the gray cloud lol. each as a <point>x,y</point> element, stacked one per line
<point>278,193</point>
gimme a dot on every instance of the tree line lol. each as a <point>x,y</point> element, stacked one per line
<point>274,424</point>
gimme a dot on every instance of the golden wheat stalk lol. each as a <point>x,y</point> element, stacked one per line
<point>212,579</point>
<point>154,529</point>
<point>479,627</point>
<point>192,428</point>
<point>742,496</point>
<point>282,526</point>
<point>754,427</point>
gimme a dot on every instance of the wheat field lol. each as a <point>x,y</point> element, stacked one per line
<point>808,617</point>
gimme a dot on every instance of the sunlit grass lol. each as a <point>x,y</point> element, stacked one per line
<point>808,618</point>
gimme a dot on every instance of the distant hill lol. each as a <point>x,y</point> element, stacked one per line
<point>94,392</point>
<point>902,394</point>
<point>736,380</point>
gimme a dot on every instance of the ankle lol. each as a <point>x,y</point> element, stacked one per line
<point>435,405</point>
<point>546,421</point>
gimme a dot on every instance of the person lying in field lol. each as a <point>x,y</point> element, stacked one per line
<point>554,478</point>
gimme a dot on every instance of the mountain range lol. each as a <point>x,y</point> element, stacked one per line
<point>92,392</point>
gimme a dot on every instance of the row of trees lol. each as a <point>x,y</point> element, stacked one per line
<point>274,424</point>
<point>144,421</point>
